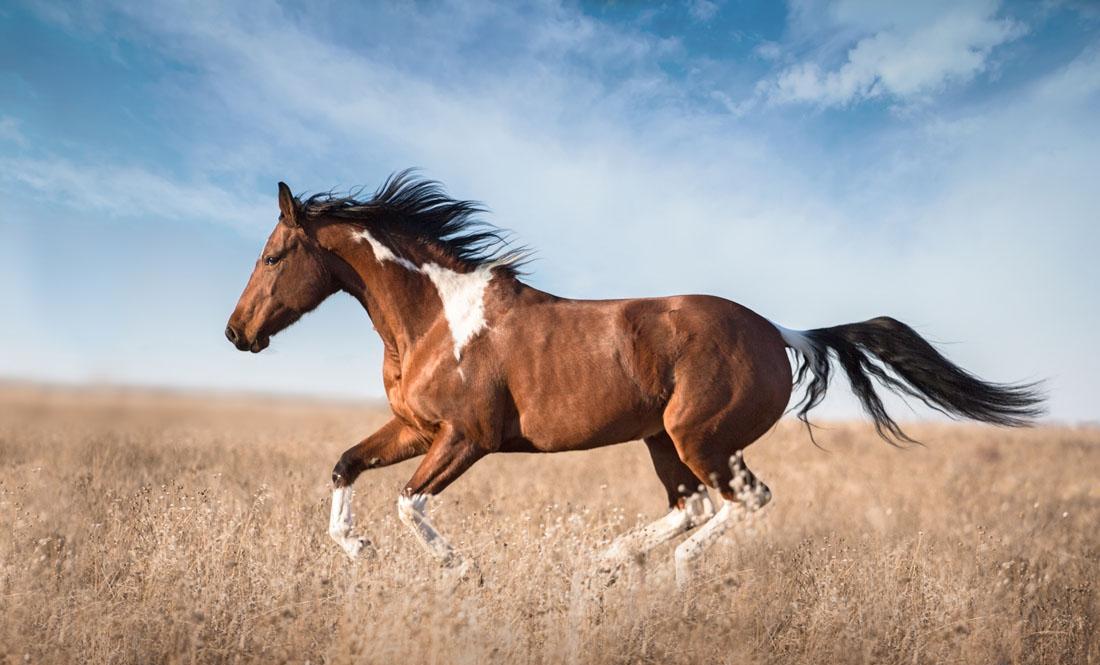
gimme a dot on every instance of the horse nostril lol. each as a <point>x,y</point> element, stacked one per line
<point>231,334</point>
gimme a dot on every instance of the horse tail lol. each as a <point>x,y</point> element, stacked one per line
<point>916,369</point>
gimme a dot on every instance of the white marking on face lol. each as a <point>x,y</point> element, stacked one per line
<point>462,293</point>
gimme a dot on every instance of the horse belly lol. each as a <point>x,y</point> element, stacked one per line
<point>583,403</point>
<point>572,430</point>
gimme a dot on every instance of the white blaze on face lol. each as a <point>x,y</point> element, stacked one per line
<point>462,294</point>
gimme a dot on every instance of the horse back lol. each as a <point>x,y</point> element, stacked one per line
<point>581,374</point>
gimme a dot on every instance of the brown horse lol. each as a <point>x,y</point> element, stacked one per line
<point>477,362</point>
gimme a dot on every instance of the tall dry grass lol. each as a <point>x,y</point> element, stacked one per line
<point>143,528</point>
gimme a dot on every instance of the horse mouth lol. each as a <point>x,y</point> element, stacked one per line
<point>259,344</point>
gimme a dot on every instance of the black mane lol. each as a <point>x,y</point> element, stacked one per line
<point>417,208</point>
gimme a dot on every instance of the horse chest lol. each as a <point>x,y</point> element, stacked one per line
<point>427,390</point>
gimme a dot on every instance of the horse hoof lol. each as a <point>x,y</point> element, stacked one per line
<point>357,548</point>
<point>459,571</point>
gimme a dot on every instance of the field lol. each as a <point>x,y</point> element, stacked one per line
<point>145,528</point>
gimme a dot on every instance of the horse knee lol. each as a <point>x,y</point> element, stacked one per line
<point>346,470</point>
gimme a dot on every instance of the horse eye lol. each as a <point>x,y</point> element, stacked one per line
<point>271,260</point>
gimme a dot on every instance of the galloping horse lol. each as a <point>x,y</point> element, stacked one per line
<point>477,362</point>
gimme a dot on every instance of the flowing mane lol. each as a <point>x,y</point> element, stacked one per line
<point>412,207</point>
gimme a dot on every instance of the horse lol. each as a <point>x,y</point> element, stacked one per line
<point>478,362</point>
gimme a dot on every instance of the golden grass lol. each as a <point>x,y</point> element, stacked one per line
<point>156,528</point>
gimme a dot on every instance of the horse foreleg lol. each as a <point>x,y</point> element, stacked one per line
<point>448,457</point>
<point>392,443</point>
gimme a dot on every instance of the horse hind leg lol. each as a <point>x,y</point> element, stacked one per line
<point>742,495</point>
<point>689,506</point>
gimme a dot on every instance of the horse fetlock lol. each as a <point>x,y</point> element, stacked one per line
<point>412,511</point>
<point>355,547</point>
<point>699,509</point>
<point>345,472</point>
<point>340,523</point>
<point>615,556</point>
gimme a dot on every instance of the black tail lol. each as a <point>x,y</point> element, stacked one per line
<point>916,369</point>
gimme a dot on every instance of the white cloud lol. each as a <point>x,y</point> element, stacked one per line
<point>907,55</point>
<point>548,146</point>
<point>767,50</point>
<point>129,191</point>
<point>702,10</point>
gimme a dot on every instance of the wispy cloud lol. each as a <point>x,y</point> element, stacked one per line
<point>903,57</point>
<point>127,192</point>
<point>10,132</point>
<point>547,144</point>
<point>702,10</point>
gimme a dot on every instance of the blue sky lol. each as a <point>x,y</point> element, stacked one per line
<point>818,162</point>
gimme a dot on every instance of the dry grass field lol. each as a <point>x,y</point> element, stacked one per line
<point>138,528</point>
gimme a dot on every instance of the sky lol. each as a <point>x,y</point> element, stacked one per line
<point>818,162</point>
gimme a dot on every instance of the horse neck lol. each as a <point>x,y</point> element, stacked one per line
<point>400,290</point>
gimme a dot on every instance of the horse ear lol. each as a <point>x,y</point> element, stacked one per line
<point>288,205</point>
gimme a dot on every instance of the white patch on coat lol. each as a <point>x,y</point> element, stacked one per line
<point>462,293</point>
<point>382,252</point>
<point>463,296</point>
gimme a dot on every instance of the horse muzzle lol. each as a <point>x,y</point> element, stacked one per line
<point>242,343</point>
